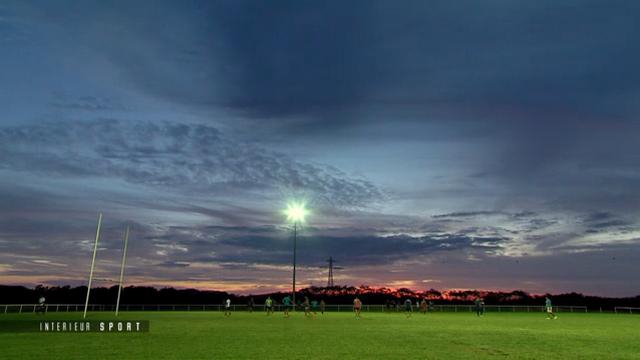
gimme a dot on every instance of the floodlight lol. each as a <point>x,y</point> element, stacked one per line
<point>296,212</point>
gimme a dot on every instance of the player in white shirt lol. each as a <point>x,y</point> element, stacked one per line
<point>227,307</point>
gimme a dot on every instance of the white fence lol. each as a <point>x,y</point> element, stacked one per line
<point>32,308</point>
<point>625,309</point>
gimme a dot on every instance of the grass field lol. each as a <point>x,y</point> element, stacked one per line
<point>209,335</point>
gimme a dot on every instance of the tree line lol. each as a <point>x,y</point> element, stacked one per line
<point>331,295</point>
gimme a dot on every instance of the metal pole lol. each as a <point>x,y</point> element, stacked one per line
<point>124,257</point>
<point>295,230</point>
<point>93,263</point>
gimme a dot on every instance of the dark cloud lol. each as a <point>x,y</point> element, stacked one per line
<point>609,224</point>
<point>466,214</point>
<point>311,58</point>
<point>174,264</point>
<point>238,245</point>
<point>304,58</point>
<point>526,221</point>
<point>604,221</point>
<point>359,250</point>
<point>599,216</point>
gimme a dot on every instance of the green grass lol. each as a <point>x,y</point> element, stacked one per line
<point>209,335</point>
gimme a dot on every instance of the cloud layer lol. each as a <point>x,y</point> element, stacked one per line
<point>194,158</point>
<point>434,142</point>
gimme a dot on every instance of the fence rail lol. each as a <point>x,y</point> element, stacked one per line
<point>625,309</point>
<point>32,308</point>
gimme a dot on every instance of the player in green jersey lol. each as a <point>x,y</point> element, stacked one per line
<point>287,305</point>
<point>479,302</point>
<point>549,308</point>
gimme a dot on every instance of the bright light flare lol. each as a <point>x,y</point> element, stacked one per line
<point>296,212</point>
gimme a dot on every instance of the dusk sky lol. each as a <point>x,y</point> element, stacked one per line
<point>437,144</point>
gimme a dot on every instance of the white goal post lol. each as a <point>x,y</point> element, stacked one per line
<point>93,264</point>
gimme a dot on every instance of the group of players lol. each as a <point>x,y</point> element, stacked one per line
<point>311,307</point>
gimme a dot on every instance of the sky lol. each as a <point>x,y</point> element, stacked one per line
<point>437,144</point>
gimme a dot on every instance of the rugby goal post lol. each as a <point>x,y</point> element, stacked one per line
<point>93,264</point>
<point>124,258</point>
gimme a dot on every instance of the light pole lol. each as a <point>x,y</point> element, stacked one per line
<point>295,213</point>
<point>295,238</point>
